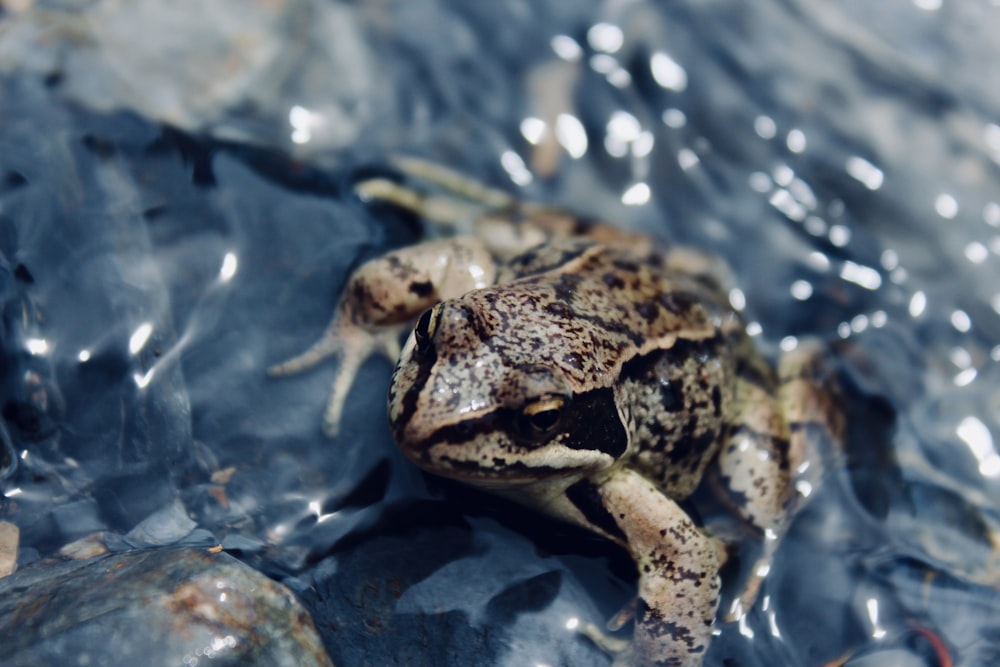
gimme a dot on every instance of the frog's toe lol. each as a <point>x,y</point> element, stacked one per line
<point>327,346</point>
<point>331,416</point>
<point>619,649</point>
<point>383,189</point>
<point>443,210</point>
<point>338,394</point>
<point>745,599</point>
<point>453,181</point>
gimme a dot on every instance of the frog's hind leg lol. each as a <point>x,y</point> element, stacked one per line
<point>508,225</point>
<point>505,224</point>
<point>770,460</point>
<point>464,200</point>
<point>455,182</point>
<point>443,210</point>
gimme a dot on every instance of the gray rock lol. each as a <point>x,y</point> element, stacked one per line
<point>154,607</point>
<point>9,538</point>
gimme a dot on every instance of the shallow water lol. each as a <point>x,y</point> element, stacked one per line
<point>172,222</point>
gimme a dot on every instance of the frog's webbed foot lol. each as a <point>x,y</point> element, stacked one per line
<point>352,346</point>
<point>458,184</point>
<point>328,345</point>
<point>442,210</point>
<point>505,226</point>
<point>624,615</point>
<point>747,595</point>
<point>613,646</point>
<point>465,201</point>
<point>619,649</point>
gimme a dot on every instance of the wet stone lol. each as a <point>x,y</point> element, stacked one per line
<point>9,538</point>
<point>154,607</point>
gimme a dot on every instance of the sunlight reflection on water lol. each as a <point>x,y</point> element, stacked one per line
<point>842,158</point>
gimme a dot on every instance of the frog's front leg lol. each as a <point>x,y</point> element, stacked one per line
<point>383,296</point>
<point>678,573</point>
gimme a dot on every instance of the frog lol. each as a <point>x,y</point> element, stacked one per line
<point>594,375</point>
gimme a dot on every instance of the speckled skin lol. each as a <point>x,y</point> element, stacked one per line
<point>595,378</point>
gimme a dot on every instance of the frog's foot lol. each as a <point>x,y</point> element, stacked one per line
<point>443,210</point>
<point>352,346</point>
<point>327,346</point>
<point>624,615</point>
<point>506,224</point>
<point>456,183</point>
<point>619,649</point>
<point>747,596</point>
<point>505,231</point>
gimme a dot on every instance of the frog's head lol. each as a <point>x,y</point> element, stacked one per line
<point>482,398</point>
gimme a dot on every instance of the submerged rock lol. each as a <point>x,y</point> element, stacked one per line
<point>154,607</point>
<point>9,538</point>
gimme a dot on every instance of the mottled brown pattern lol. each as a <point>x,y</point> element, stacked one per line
<point>683,374</point>
<point>577,369</point>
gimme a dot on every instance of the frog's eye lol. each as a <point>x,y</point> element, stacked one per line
<point>540,418</point>
<point>424,330</point>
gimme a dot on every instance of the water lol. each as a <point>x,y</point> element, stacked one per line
<point>174,221</point>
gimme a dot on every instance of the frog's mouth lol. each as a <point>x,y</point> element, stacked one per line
<point>499,462</point>
<point>490,448</point>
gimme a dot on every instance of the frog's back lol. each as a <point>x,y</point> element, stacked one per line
<point>645,294</point>
<point>674,344</point>
<point>655,328</point>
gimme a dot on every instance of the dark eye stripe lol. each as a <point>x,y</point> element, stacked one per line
<point>593,423</point>
<point>586,497</point>
<point>464,431</point>
<point>408,402</point>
